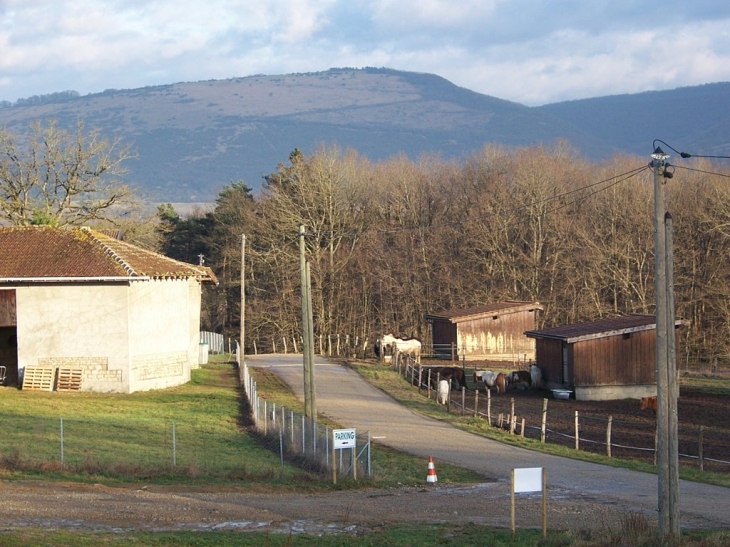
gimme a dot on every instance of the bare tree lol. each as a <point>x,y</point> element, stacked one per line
<point>60,178</point>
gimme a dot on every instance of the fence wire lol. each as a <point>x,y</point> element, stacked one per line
<point>303,441</point>
<point>706,447</point>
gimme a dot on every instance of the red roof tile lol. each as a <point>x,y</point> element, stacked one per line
<point>37,252</point>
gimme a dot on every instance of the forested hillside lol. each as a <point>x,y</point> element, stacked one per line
<point>391,241</point>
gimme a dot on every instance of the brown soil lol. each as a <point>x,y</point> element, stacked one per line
<point>632,430</point>
<point>34,504</point>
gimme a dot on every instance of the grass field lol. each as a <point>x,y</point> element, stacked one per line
<point>189,433</point>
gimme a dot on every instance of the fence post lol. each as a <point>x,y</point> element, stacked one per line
<point>369,457</point>
<point>701,452</point>
<point>489,406</point>
<point>512,416</point>
<point>174,446</point>
<point>522,429</point>
<point>420,376</point>
<point>608,436</point>
<point>463,399</point>
<point>476,403</point>
<point>61,433</point>
<point>286,346</point>
<point>544,420</point>
<point>577,438</point>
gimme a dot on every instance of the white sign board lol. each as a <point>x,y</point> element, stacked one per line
<point>528,479</point>
<point>344,438</point>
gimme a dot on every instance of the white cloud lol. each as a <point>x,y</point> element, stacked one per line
<point>522,50</point>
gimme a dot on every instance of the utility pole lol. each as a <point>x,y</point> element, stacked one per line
<point>243,302</point>
<point>310,347</point>
<point>668,488</point>
<point>306,341</point>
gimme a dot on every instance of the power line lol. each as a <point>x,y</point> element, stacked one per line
<point>701,171</point>
<point>686,155</point>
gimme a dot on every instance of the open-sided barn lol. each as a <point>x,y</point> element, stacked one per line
<point>492,332</point>
<point>81,310</point>
<point>600,360</point>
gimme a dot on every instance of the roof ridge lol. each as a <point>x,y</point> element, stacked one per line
<point>108,250</point>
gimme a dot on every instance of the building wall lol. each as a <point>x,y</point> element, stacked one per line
<point>549,357</point>
<point>77,325</point>
<point>615,360</point>
<point>500,338</point>
<point>123,337</point>
<point>163,345</point>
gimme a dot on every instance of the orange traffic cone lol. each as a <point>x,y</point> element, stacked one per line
<point>431,478</point>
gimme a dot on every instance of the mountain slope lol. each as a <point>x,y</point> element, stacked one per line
<point>193,138</point>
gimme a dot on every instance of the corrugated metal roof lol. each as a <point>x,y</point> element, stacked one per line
<point>37,252</point>
<point>598,329</point>
<point>510,306</point>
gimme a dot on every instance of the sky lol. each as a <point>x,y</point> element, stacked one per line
<point>528,51</point>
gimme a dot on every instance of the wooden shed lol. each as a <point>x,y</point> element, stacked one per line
<point>600,360</point>
<point>490,332</point>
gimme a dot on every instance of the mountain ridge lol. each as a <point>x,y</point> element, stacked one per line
<point>193,138</point>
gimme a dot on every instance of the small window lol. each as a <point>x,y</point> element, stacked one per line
<point>626,335</point>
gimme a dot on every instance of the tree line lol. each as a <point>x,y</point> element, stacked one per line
<point>390,241</point>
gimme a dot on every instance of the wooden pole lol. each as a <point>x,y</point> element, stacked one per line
<point>420,377</point>
<point>305,319</point>
<point>476,403</point>
<point>701,451</point>
<point>512,502</point>
<point>544,420</point>
<point>512,416</point>
<point>544,502</point>
<point>354,462</point>
<point>577,438</point>
<point>489,406</point>
<point>608,436</point>
<point>522,429</point>
<point>243,298</point>
<point>672,388</point>
<point>463,399</point>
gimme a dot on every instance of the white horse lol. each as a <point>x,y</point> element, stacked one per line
<point>443,391</point>
<point>410,347</point>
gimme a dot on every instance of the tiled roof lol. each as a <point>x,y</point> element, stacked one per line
<point>38,252</point>
<point>597,329</point>
<point>487,309</point>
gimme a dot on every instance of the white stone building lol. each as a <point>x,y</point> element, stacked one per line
<point>95,313</point>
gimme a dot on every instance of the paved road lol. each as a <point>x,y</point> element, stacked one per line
<point>349,400</point>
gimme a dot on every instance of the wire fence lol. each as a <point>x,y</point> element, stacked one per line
<point>304,442</point>
<point>532,416</point>
<point>133,447</point>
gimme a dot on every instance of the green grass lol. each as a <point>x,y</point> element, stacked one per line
<point>115,437</point>
<point>635,532</point>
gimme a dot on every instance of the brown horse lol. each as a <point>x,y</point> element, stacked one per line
<point>453,374</point>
